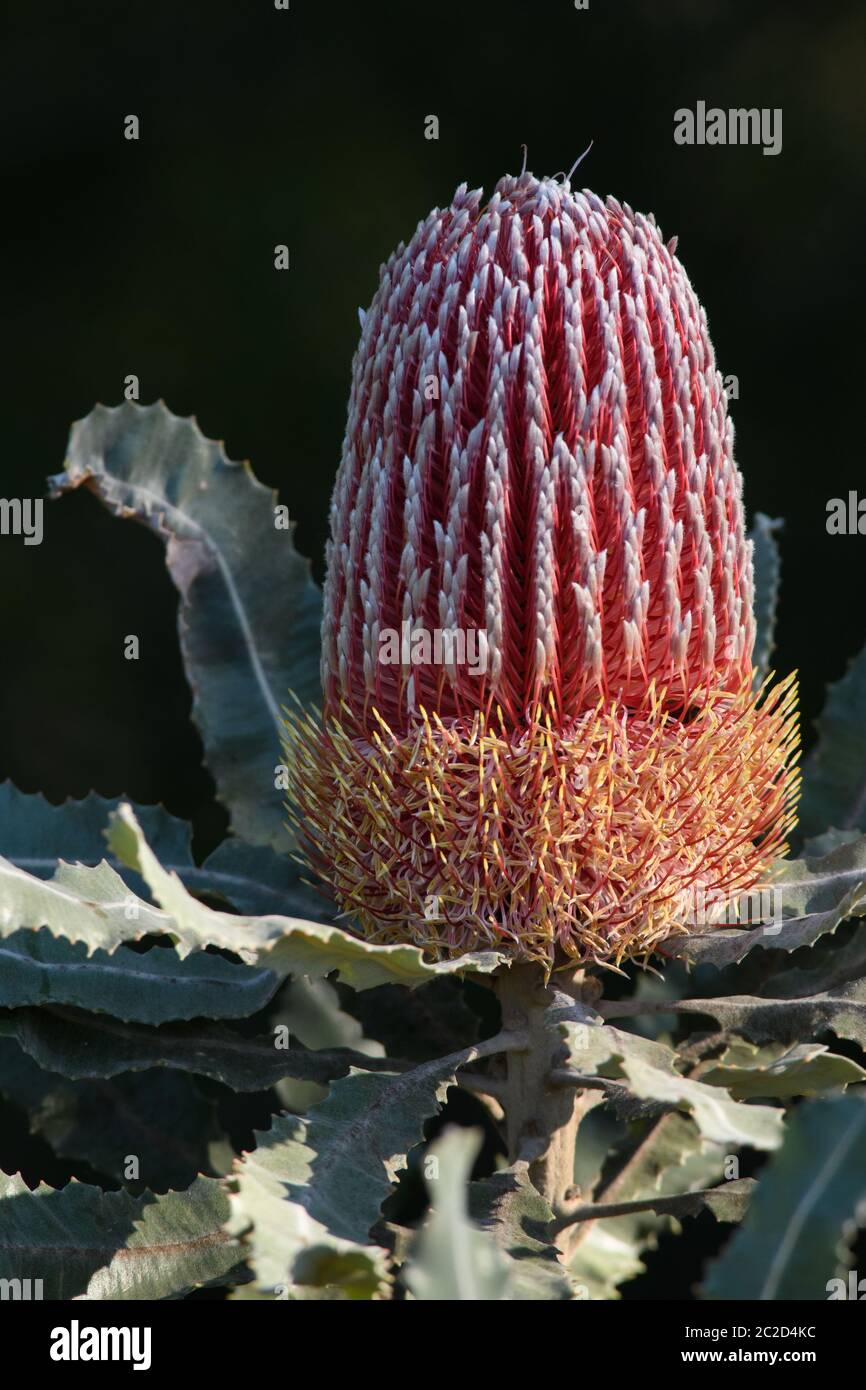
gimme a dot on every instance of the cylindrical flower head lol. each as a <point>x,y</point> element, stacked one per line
<point>538,728</point>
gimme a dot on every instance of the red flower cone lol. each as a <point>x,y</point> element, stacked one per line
<point>539,731</point>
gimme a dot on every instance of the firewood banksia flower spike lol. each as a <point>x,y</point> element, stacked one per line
<point>539,732</point>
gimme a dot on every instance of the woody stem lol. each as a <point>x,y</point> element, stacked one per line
<point>542,1119</point>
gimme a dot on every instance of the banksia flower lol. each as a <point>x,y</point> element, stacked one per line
<point>539,730</point>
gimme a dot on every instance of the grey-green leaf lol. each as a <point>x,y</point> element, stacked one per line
<point>82,1242</point>
<point>93,906</point>
<point>161,1120</point>
<point>283,944</point>
<point>834,773</point>
<point>719,1117</point>
<point>313,1187</point>
<point>808,1200</point>
<point>249,610</point>
<point>841,1010</point>
<point>453,1260</point>
<point>767,565</point>
<point>810,898</point>
<point>511,1210</point>
<point>85,1047</point>
<point>647,1070</point>
<point>35,834</point>
<point>143,987</point>
<point>781,1072</point>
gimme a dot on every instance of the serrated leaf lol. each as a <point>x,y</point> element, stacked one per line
<point>806,1069</point>
<point>311,1190</point>
<point>597,1048</point>
<point>792,1241</point>
<point>649,1072</point>
<point>811,897</point>
<point>720,1118</point>
<point>830,964</point>
<point>88,1047</point>
<point>95,907</point>
<point>515,1215</point>
<point>161,1119</point>
<point>454,1260</point>
<point>249,631</point>
<point>142,987</point>
<point>834,773</point>
<point>82,1242</point>
<point>767,565</point>
<point>284,944</point>
<point>35,834</point>
<point>677,1154</point>
<point>841,1011</point>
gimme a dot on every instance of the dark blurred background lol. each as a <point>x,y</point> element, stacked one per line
<point>307,127</point>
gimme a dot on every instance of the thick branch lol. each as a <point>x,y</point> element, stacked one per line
<point>542,1119</point>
